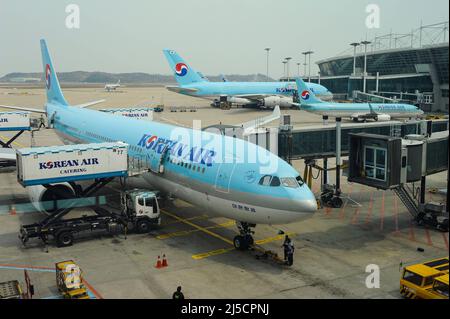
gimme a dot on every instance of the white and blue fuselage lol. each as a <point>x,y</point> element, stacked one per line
<point>226,176</point>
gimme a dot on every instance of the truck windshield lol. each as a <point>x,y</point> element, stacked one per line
<point>413,278</point>
<point>141,201</point>
<point>149,201</point>
<point>441,288</point>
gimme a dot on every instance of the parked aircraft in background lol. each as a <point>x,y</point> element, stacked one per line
<point>308,101</point>
<point>265,95</point>
<point>112,87</point>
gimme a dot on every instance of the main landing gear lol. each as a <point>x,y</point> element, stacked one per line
<point>245,240</point>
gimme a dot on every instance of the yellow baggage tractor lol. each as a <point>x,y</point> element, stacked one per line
<point>69,280</point>
<point>439,289</point>
<point>417,280</point>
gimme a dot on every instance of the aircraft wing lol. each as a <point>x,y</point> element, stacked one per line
<point>19,108</point>
<point>254,124</point>
<point>7,155</point>
<point>89,104</point>
<point>178,89</point>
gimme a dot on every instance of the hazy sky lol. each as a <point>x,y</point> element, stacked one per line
<point>215,36</point>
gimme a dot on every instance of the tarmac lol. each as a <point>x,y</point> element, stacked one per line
<point>333,248</point>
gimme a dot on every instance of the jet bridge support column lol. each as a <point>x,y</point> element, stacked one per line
<point>338,156</point>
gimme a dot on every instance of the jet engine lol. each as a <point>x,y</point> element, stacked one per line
<point>272,101</point>
<point>43,198</point>
<point>383,117</point>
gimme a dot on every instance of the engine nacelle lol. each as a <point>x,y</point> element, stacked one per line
<point>43,198</point>
<point>383,117</point>
<point>272,101</point>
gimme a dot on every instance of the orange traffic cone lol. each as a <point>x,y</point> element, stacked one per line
<point>164,262</point>
<point>13,210</point>
<point>158,263</point>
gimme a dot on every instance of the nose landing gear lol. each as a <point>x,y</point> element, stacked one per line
<point>245,240</point>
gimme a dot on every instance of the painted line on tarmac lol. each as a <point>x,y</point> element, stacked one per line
<point>14,143</point>
<point>226,250</point>
<point>199,217</point>
<point>203,229</point>
<point>188,232</point>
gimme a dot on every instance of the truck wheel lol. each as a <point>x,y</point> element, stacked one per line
<point>64,239</point>
<point>143,226</point>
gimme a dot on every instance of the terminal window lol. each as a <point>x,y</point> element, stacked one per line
<point>375,159</point>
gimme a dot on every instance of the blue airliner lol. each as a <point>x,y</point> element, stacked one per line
<point>355,111</point>
<point>248,94</point>
<point>225,176</point>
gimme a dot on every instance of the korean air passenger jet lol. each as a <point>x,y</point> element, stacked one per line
<point>264,95</point>
<point>225,176</point>
<point>355,111</point>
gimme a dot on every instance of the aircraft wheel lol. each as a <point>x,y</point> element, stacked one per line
<point>336,202</point>
<point>250,240</point>
<point>240,243</point>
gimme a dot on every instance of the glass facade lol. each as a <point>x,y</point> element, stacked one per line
<point>395,62</point>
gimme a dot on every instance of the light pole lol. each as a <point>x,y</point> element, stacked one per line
<point>267,69</point>
<point>305,54</point>
<point>284,68</point>
<point>298,69</point>
<point>365,43</point>
<point>354,45</point>
<point>309,66</point>
<point>287,67</point>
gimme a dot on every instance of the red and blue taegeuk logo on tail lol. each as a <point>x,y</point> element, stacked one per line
<point>181,69</point>
<point>305,95</point>
<point>48,73</point>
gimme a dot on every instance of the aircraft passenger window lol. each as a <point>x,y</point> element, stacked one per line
<point>203,170</point>
<point>289,182</point>
<point>275,181</point>
<point>265,180</point>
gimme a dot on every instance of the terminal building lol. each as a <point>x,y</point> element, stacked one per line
<point>411,68</point>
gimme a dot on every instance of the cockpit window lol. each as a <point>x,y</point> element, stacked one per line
<point>289,182</point>
<point>268,180</point>
<point>265,180</point>
<point>275,181</point>
<point>300,180</point>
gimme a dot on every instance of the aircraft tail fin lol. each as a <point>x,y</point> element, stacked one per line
<point>54,93</point>
<point>184,74</point>
<point>305,95</point>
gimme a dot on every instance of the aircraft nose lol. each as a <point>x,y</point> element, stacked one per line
<point>308,206</point>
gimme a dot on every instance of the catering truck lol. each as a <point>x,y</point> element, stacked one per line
<point>51,176</point>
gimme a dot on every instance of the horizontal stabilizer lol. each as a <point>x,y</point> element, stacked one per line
<point>178,89</point>
<point>254,124</point>
<point>89,104</point>
<point>19,108</point>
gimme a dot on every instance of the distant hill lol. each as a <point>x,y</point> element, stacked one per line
<point>132,78</point>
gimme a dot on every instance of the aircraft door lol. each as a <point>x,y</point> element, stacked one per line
<point>223,177</point>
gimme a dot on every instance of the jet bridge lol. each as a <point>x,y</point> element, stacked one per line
<point>385,162</point>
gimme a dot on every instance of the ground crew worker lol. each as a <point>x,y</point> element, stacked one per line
<point>178,294</point>
<point>42,120</point>
<point>290,254</point>
<point>286,243</point>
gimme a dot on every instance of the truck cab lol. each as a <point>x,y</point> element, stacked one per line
<point>440,288</point>
<point>142,208</point>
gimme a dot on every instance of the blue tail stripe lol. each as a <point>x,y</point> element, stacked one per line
<point>54,93</point>
<point>183,72</point>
